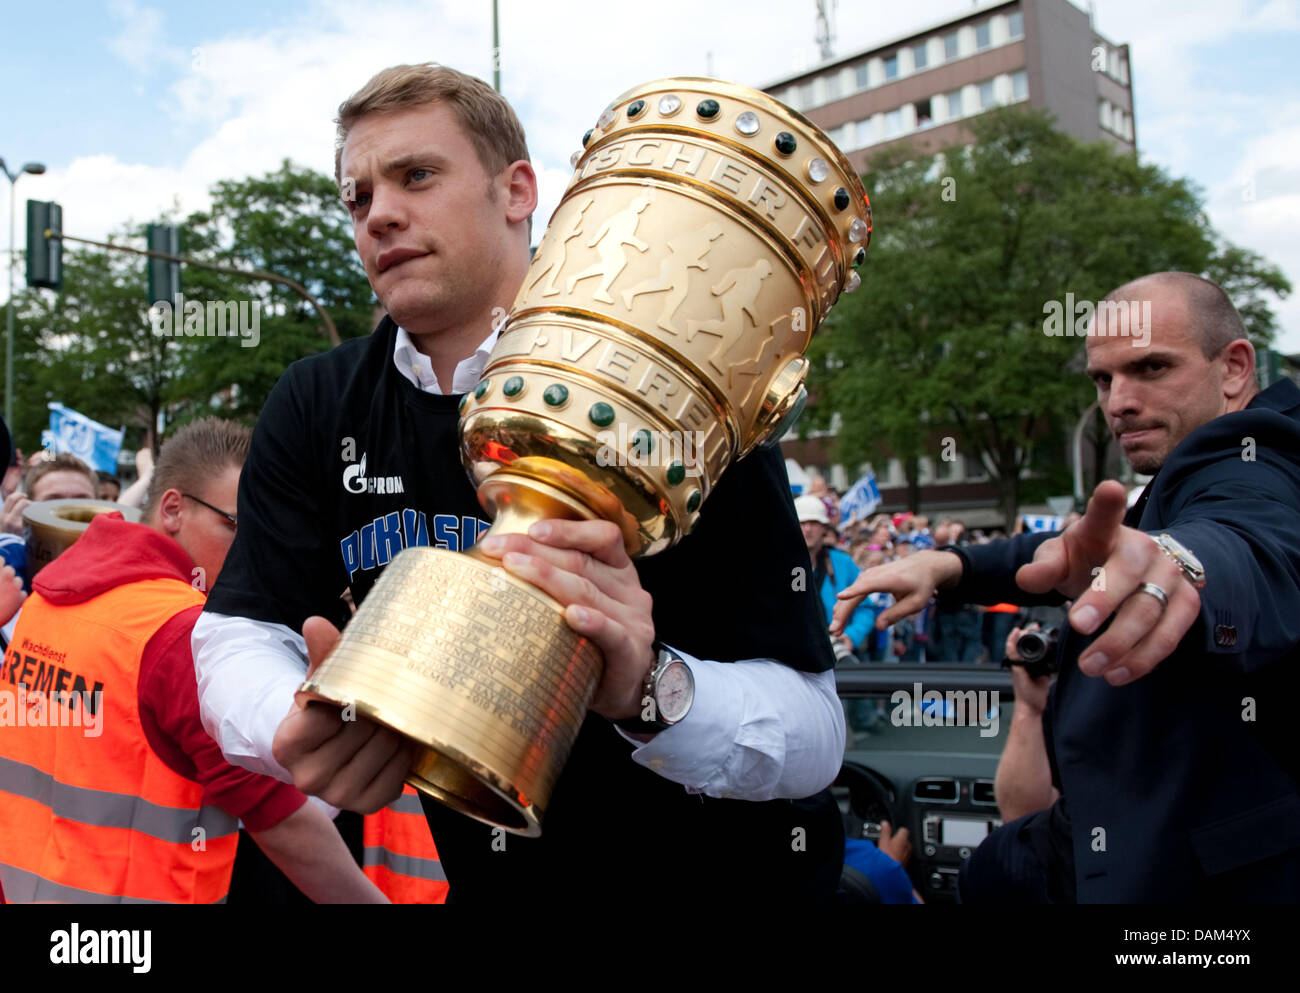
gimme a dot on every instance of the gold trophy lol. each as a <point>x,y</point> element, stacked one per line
<point>658,336</point>
<point>53,526</point>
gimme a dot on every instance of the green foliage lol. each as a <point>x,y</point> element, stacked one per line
<point>969,248</point>
<point>92,347</point>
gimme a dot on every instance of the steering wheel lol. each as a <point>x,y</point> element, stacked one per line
<point>865,799</point>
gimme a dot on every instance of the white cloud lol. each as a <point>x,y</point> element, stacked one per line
<point>139,42</point>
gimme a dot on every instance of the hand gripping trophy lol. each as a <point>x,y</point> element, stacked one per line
<point>657,338</point>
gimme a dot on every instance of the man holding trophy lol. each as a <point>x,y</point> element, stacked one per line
<point>616,685</point>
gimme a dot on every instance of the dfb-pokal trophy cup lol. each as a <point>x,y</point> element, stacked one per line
<point>658,337</point>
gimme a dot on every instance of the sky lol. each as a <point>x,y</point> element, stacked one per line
<point>138,107</point>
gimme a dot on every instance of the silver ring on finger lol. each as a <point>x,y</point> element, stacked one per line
<point>1155,591</point>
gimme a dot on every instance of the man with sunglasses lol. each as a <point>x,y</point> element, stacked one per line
<point>110,789</point>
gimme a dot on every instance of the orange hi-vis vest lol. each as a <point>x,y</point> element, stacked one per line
<point>88,811</point>
<point>400,857</point>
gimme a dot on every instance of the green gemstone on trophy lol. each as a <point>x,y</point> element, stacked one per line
<point>785,143</point>
<point>860,257</point>
<point>513,386</point>
<point>708,109</point>
<point>464,401</point>
<point>643,443</point>
<point>556,395</point>
<point>587,137</point>
<point>676,473</point>
<point>841,198</point>
<point>480,391</point>
<point>601,414</point>
<point>635,108</point>
<point>693,501</point>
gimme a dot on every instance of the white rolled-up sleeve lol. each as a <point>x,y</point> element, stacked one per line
<point>248,672</point>
<point>756,730</point>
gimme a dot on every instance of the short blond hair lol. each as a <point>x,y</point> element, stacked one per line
<point>199,452</point>
<point>59,462</point>
<point>487,118</point>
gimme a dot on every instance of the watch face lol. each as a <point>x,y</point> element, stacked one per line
<point>1181,552</point>
<point>673,692</point>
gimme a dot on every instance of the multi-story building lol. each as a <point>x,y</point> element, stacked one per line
<point>924,89</point>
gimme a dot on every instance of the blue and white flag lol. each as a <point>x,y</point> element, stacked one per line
<point>862,499</point>
<point>1042,522</point>
<point>95,444</point>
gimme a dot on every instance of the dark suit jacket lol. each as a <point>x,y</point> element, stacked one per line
<point>1182,786</point>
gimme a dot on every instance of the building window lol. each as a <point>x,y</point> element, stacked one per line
<point>924,118</point>
<point>945,470</point>
<point>986,94</point>
<point>832,87</point>
<point>1016,25</point>
<point>891,67</point>
<point>973,467</point>
<point>983,36</point>
<point>954,104</point>
<point>863,78</point>
<point>894,123</point>
<point>1103,114</point>
<point>806,97</point>
<point>919,57</point>
<point>950,46</point>
<point>866,132</point>
<point>1019,86</point>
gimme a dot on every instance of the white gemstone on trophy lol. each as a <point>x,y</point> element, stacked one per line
<point>818,170</point>
<point>573,160</point>
<point>852,283</point>
<point>606,118</point>
<point>669,105</point>
<point>858,230</point>
<point>747,123</point>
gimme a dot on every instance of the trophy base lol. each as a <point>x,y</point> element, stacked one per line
<point>476,667</point>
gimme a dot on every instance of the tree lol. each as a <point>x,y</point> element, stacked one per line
<point>93,347</point>
<point>971,248</point>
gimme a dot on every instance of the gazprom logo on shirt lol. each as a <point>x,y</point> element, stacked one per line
<point>374,545</point>
<point>355,480</point>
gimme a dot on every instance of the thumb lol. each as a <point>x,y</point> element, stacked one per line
<point>1101,520</point>
<point>321,637</point>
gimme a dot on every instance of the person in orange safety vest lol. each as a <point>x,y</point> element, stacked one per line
<point>110,789</point>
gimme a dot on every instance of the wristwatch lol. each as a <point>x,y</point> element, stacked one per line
<point>667,694</point>
<point>1184,559</point>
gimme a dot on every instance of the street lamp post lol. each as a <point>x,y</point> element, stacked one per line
<point>35,168</point>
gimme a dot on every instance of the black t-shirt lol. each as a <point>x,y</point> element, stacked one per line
<point>350,463</point>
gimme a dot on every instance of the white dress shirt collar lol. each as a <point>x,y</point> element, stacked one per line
<point>418,369</point>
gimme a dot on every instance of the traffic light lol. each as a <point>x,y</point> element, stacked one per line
<point>164,276</point>
<point>44,255</point>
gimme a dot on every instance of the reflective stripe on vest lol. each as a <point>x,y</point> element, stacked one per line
<point>400,857</point>
<point>88,812</point>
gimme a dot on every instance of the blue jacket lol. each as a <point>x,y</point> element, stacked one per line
<point>1184,786</point>
<point>845,573</point>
